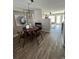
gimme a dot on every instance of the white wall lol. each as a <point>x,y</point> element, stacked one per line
<point>38,18</point>
<point>46,25</point>
<point>15,27</point>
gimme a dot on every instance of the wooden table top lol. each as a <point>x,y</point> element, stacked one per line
<point>32,29</point>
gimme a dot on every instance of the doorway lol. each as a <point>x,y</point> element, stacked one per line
<point>56,20</point>
<point>56,28</point>
<point>52,21</point>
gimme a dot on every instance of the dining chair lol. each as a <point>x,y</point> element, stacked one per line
<point>20,36</point>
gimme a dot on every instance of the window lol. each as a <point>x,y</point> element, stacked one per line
<point>58,19</point>
<point>63,18</point>
<point>52,19</point>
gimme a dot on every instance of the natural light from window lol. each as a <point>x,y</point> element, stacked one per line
<point>52,19</point>
<point>58,19</point>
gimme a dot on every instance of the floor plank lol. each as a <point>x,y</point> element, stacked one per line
<point>49,48</point>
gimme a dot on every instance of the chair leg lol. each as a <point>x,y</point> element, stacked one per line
<point>37,39</point>
<point>41,35</point>
<point>24,43</point>
<point>38,42</point>
<point>19,40</point>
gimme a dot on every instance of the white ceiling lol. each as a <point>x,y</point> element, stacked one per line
<point>46,5</point>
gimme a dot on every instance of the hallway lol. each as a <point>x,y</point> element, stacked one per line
<point>56,34</point>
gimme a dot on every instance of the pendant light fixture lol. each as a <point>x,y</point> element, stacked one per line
<point>32,0</point>
<point>29,13</point>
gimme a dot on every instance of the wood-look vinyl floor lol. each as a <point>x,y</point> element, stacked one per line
<point>47,49</point>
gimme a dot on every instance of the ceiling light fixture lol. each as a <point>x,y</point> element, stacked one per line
<point>29,2</point>
<point>32,0</point>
